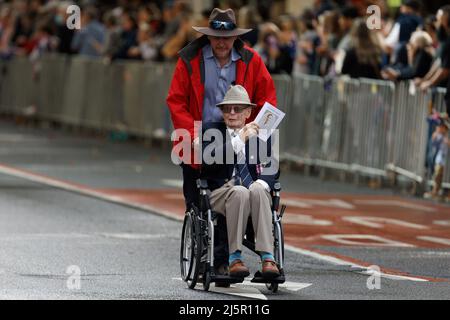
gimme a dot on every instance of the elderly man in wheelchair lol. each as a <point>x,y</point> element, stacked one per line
<point>238,181</point>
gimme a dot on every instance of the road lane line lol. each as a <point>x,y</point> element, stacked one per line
<point>341,262</point>
<point>288,285</point>
<point>445,223</point>
<point>247,290</point>
<point>380,222</point>
<point>176,183</point>
<point>310,203</point>
<point>435,240</point>
<point>377,241</point>
<point>397,203</point>
<point>83,190</point>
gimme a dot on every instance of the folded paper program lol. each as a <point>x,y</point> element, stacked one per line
<point>268,120</point>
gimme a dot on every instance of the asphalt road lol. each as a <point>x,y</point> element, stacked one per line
<point>47,234</point>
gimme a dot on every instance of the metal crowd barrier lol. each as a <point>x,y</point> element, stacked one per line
<point>409,132</point>
<point>362,126</point>
<point>284,93</point>
<point>125,96</point>
<point>19,88</point>
<point>341,124</point>
<point>304,120</point>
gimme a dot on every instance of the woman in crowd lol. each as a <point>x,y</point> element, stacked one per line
<point>276,58</point>
<point>420,53</point>
<point>363,59</point>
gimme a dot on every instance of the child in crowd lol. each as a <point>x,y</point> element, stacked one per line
<point>439,146</point>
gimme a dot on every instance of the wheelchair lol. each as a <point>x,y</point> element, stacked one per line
<point>197,243</point>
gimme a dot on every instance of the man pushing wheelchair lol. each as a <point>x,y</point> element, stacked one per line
<point>241,188</point>
<point>205,70</point>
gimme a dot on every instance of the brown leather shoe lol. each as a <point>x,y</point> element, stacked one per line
<point>270,269</point>
<point>238,269</point>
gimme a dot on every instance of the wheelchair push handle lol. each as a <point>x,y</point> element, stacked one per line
<point>276,195</point>
<point>202,184</point>
<point>277,187</point>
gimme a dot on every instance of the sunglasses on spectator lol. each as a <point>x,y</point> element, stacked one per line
<point>237,109</point>
<point>222,25</point>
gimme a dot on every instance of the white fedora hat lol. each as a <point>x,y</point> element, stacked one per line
<point>236,95</point>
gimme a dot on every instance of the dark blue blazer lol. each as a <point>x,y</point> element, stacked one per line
<point>258,160</point>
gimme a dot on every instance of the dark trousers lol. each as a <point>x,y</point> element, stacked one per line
<point>191,196</point>
<point>190,191</point>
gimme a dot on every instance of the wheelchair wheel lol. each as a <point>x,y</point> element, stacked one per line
<point>272,287</point>
<point>281,244</point>
<point>191,249</point>
<point>206,281</point>
<point>280,237</point>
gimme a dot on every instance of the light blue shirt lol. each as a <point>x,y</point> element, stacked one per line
<point>441,144</point>
<point>83,39</point>
<point>217,83</point>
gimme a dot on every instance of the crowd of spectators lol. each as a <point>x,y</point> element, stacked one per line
<point>141,30</point>
<point>331,37</point>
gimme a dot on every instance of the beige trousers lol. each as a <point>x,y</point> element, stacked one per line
<point>437,177</point>
<point>237,203</point>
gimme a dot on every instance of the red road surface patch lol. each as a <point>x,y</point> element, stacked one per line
<point>343,220</point>
<point>312,220</point>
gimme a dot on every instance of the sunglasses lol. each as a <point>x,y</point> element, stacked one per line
<point>237,109</point>
<point>222,25</point>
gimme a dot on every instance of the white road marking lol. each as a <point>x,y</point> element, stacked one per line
<point>435,240</point>
<point>247,290</point>
<point>397,203</point>
<point>379,222</point>
<point>341,262</point>
<point>133,236</point>
<point>37,236</point>
<point>445,223</point>
<point>86,191</point>
<point>288,285</point>
<point>176,183</point>
<point>304,220</point>
<point>296,203</point>
<point>310,203</point>
<point>348,239</point>
<point>174,196</point>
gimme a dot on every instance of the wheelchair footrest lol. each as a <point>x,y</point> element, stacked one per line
<point>226,279</point>
<point>258,278</point>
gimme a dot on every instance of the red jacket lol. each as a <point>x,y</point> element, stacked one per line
<point>186,93</point>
